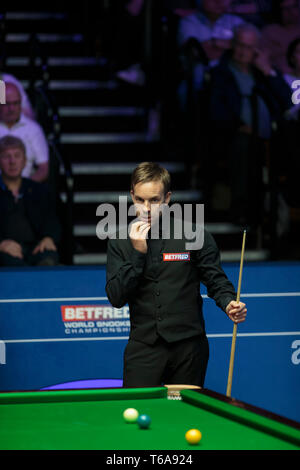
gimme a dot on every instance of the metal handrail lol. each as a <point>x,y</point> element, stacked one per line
<point>53,125</point>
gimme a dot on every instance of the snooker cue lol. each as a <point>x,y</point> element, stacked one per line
<point>230,373</point>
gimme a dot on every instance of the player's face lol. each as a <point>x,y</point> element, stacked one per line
<point>12,162</point>
<point>148,199</point>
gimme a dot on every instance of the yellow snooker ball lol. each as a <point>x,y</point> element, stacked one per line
<point>193,436</point>
<point>130,415</point>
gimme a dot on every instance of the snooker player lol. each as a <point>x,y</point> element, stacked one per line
<point>167,342</point>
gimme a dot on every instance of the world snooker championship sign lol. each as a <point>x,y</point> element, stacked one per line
<point>95,319</point>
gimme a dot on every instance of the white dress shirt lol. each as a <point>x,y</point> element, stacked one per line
<point>198,26</point>
<point>33,137</point>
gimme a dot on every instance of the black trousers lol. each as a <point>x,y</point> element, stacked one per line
<point>181,362</point>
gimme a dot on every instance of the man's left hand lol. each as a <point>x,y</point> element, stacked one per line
<point>236,311</point>
<point>45,244</point>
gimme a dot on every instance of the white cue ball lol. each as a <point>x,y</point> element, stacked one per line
<point>130,415</point>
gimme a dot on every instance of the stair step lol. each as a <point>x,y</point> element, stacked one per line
<point>91,92</point>
<point>109,137</point>
<point>67,69</point>
<point>100,111</point>
<point>129,152</point>
<point>34,15</point>
<point>118,168</point>
<point>109,119</point>
<point>36,21</point>
<point>77,85</point>
<point>83,85</point>
<point>184,196</point>
<point>24,61</point>
<point>90,259</point>
<point>103,125</point>
<point>116,176</point>
<point>45,25</point>
<point>44,37</point>
<point>47,48</point>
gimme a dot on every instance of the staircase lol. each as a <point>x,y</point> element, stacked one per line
<point>104,127</point>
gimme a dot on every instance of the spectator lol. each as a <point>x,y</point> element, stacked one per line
<point>29,229</point>
<point>277,36</point>
<point>128,40</point>
<point>180,8</point>
<point>209,33</point>
<point>252,11</point>
<point>246,94</point>
<point>289,131</point>
<point>211,27</point>
<point>26,107</point>
<point>293,59</point>
<point>13,122</point>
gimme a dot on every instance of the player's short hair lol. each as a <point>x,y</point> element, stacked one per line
<point>151,171</point>
<point>10,141</point>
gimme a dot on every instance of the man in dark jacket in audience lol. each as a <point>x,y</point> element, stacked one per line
<point>247,95</point>
<point>29,228</point>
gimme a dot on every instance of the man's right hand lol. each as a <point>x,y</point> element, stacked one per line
<point>138,234</point>
<point>12,248</point>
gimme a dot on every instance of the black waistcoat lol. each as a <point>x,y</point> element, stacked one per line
<point>163,286</point>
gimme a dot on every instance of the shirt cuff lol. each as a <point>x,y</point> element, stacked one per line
<point>226,301</point>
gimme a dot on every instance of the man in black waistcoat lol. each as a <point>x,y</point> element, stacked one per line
<point>160,280</point>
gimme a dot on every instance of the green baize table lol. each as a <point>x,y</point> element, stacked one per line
<point>92,419</point>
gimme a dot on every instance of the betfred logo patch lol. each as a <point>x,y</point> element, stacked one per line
<point>176,256</point>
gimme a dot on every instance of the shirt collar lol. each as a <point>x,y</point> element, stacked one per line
<point>21,122</point>
<point>5,188</point>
